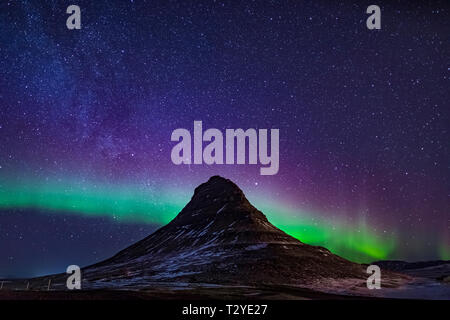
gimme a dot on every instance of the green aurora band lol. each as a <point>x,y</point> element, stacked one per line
<point>355,242</point>
<point>140,205</point>
<point>444,251</point>
<point>127,204</point>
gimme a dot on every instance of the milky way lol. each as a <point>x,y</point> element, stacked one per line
<point>86,118</point>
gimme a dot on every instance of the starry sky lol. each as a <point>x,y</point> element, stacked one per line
<point>86,118</point>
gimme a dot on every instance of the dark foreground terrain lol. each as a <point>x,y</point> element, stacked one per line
<point>199,293</point>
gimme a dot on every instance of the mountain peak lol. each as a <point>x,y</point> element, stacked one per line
<point>218,185</point>
<point>217,195</point>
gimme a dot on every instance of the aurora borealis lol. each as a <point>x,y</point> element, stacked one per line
<point>86,118</point>
<point>130,204</point>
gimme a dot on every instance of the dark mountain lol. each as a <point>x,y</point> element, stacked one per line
<point>437,269</point>
<point>399,265</point>
<point>220,238</point>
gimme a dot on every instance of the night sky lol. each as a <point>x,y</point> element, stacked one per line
<point>86,118</point>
